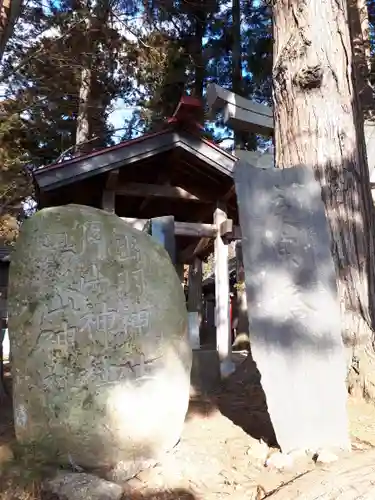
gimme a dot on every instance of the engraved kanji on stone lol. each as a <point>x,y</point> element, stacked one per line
<point>59,302</point>
<point>98,325</point>
<point>138,279</point>
<point>93,231</point>
<point>66,337</point>
<point>122,248</point>
<point>135,250</point>
<point>137,322</point>
<point>123,281</point>
<point>94,281</point>
<point>126,248</point>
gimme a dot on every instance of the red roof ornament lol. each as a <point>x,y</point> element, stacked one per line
<point>188,113</point>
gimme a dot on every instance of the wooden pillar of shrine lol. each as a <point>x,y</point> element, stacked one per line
<point>222,317</point>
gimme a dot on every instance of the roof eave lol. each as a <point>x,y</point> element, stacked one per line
<point>56,176</point>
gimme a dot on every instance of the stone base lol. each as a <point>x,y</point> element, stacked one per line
<point>205,372</point>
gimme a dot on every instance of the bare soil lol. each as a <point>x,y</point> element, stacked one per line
<point>220,455</point>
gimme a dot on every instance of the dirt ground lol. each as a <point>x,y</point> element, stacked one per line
<point>220,454</point>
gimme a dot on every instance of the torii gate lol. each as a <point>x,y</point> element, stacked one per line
<point>242,114</point>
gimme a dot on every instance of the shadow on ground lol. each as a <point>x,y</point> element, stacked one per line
<point>242,400</point>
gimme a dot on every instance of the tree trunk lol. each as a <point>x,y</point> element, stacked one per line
<point>83,131</point>
<point>318,123</point>
<point>83,122</point>
<point>92,95</point>
<point>237,86</point>
<point>198,58</point>
<point>200,68</point>
<point>360,31</point>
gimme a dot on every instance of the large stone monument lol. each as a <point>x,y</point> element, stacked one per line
<point>294,314</point>
<point>98,330</point>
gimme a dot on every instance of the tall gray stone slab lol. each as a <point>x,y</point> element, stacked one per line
<point>98,330</point>
<point>294,315</point>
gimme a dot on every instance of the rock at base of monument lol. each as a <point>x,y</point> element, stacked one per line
<point>80,486</point>
<point>325,457</point>
<point>99,338</point>
<point>294,312</point>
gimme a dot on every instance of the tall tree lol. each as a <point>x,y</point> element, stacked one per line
<point>9,12</point>
<point>360,36</point>
<point>66,78</point>
<point>313,73</point>
<point>15,184</point>
<point>237,85</point>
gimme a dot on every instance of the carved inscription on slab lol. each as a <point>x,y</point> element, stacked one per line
<point>294,315</point>
<point>107,325</point>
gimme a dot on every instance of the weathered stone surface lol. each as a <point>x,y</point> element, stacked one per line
<point>73,486</point>
<point>295,328</point>
<point>98,329</point>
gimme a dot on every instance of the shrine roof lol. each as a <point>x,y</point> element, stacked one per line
<point>181,132</point>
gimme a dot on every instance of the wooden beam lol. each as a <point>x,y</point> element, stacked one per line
<point>193,229</point>
<point>223,331</point>
<point>109,196</point>
<point>162,178</point>
<point>194,250</point>
<point>157,191</point>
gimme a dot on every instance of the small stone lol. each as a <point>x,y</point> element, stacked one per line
<point>81,486</point>
<point>298,454</point>
<point>279,461</point>
<point>325,457</point>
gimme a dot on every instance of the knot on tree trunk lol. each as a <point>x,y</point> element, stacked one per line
<point>309,77</point>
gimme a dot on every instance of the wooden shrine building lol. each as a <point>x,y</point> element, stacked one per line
<point>177,183</point>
